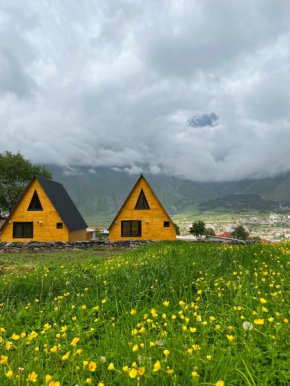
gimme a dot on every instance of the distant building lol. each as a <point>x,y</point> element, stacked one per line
<point>225,234</point>
<point>142,217</point>
<point>45,212</point>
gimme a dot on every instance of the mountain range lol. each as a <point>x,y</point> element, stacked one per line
<point>100,192</point>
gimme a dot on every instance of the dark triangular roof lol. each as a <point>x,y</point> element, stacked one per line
<point>63,204</point>
<point>125,202</point>
<point>61,201</point>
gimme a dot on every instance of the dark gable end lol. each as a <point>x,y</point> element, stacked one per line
<point>63,204</point>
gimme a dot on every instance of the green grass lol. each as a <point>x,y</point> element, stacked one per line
<point>47,300</point>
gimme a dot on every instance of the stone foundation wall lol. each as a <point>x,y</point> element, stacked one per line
<point>76,245</point>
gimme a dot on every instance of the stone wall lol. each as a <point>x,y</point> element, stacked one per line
<point>77,245</point>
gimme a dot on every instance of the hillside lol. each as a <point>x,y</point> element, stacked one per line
<point>271,189</point>
<point>240,203</point>
<point>99,193</point>
<point>168,313</point>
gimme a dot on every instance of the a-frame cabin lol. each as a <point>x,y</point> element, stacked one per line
<point>142,217</point>
<point>45,212</point>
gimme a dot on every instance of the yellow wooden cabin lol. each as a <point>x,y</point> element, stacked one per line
<point>45,212</point>
<point>142,217</point>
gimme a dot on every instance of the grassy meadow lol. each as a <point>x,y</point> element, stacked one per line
<point>164,314</point>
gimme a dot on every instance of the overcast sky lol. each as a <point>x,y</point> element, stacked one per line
<point>195,88</point>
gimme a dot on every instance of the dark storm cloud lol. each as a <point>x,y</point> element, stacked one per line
<point>115,83</point>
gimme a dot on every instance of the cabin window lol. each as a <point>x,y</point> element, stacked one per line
<point>59,225</point>
<point>131,228</point>
<point>142,202</point>
<point>35,203</point>
<point>23,230</point>
<point>166,224</point>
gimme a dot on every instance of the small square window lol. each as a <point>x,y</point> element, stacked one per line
<point>166,224</point>
<point>59,225</point>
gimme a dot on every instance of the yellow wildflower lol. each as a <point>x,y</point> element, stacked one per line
<point>32,335</point>
<point>141,370</point>
<point>32,377</point>
<point>259,321</point>
<point>9,374</point>
<point>75,341</point>
<point>157,366</point>
<point>3,359</point>
<point>133,373</point>
<point>111,367</point>
<point>66,356</point>
<point>230,338</point>
<point>92,366</point>
<point>8,346</point>
<point>48,378</point>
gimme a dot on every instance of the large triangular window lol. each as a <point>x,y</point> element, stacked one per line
<point>35,203</point>
<point>142,202</point>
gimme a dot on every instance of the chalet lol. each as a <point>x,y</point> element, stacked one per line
<point>45,212</point>
<point>142,217</point>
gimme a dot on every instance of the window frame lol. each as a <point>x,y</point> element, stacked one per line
<point>131,226</point>
<point>59,225</point>
<point>29,209</point>
<point>144,196</point>
<point>166,226</point>
<point>22,223</point>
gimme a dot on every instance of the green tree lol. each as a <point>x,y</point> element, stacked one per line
<point>177,227</point>
<point>197,229</point>
<point>209,232</point>
<point>15,173</point>
<point>100,235</point>
<point>239,232</point>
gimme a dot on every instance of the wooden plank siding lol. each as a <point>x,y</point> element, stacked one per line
<point>79,235</point>
<point>49,217</point>
<point>152,219</point>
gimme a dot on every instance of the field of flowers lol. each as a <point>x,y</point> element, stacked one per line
<point>165,314</point>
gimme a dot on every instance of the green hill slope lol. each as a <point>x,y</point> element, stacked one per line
<point>100,192</point>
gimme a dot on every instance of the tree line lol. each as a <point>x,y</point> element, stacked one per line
<point>198,229</point>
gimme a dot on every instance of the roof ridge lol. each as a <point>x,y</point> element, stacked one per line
<point>47,179</point>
